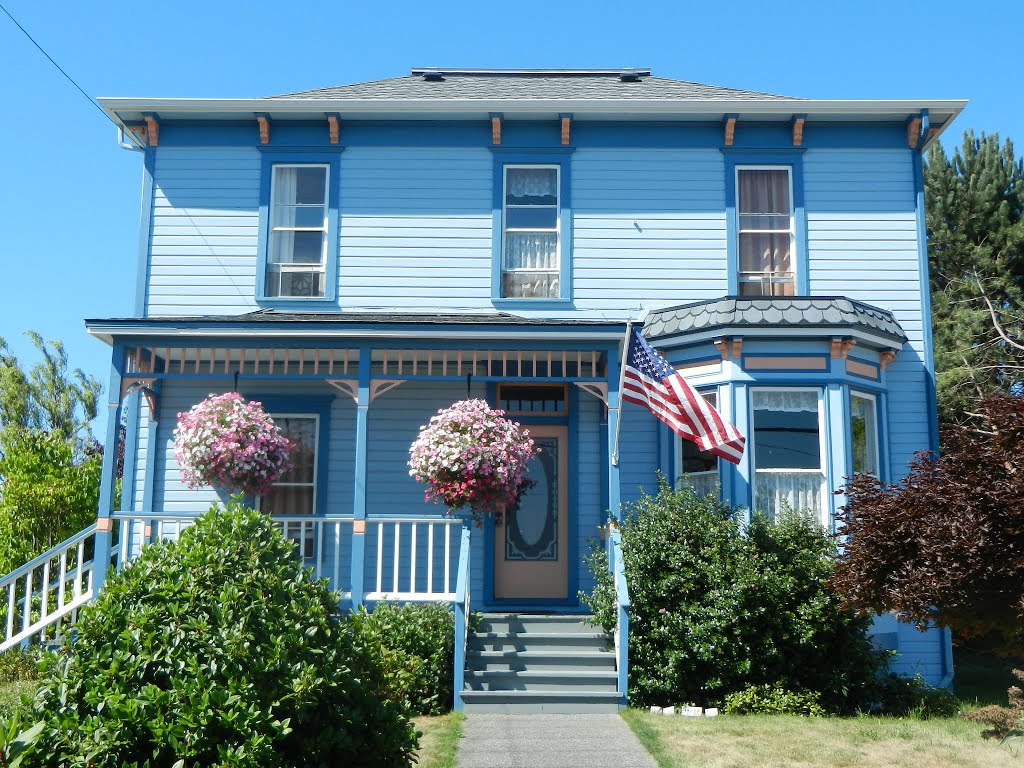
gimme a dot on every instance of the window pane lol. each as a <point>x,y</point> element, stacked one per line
<point>288,500</point>
<point>540,217</point>
<point>304,284</point>
<point>800,491</point>
<point>763,252</point>
<point>773,221</point>
<point>697,468</point>
<point>531,186</point>
<point>864,435</point>
<point>531,250</point>
<point>307,216</point>
<point>764,191</point>
<point>305,185</point>
<point>297,247</point>
<point>786,430</point>
<point>302,433</point>
<point>529,285</point>
<point>769,286</point>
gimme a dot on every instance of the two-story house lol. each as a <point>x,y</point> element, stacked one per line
<point>358,257</point>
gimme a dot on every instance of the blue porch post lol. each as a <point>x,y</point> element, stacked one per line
<point>614,414</point>
<point>108,481</point>
<point>359,478</point>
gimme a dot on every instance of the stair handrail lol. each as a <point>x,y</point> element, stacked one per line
<point>624,605</point>
<point>35,562</point>
<point>462,614</point>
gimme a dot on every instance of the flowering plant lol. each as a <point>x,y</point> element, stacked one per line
<point>470,455</point>
<point>231,444</point>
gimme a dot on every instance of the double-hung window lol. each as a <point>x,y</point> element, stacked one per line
<point>694,467</point>
<point>864,433</point>
<point>788,448</point>
<point>531,247</point>
<point>765,229</point>
<point>298,241</point>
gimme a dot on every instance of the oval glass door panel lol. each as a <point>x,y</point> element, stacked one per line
<point>531,532</point>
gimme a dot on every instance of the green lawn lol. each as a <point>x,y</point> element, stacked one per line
<point>785,741</point>
<point>440,740</point>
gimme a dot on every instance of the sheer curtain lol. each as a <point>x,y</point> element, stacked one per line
<point>765,240</point>
<point>531,182</point>
<point>531,237</point>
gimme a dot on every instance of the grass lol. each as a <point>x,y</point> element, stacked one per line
<point>10,695</point>
<point>786,741</point>
<point>440,740</point>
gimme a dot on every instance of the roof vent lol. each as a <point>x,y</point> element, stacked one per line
<point>631,75</point>
<point>433,75</point>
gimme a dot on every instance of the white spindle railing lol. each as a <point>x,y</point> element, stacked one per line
<point>414,558</point>
<point>43,596</point>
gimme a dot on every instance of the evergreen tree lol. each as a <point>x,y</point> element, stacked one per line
<point>976,244</point>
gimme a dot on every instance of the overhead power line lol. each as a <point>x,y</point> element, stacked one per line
<point>60,69</point>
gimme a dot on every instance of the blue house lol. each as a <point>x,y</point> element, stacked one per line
<point>358,257</point>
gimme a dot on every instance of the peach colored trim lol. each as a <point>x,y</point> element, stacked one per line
<point>841,348</point>
<point>264,129</point>
<point>152,131</point>
<point>496,131</point>
<point>798,131</point>
<point>887,357</point>
<point>913,131</point>
<point>358,526</point>
<point>785,363</point>
<point>104,525</point>
<point>333,127</point>
<point>565,130</point>
<point>730,131</point>
<point>862,369</point>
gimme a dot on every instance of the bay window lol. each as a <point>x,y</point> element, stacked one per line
<point>864,434</point>
<point>694,467</point>
<point>788,450</point>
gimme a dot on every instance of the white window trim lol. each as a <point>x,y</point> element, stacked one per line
<point>316,458</point>
<point>505,229</point>
<point>295,267</point>
<point>793,255</point>
<point>822,446</point>
<point>873,410</point>
<point>720,405</point>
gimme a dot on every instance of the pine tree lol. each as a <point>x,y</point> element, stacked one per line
<point>976,243</point>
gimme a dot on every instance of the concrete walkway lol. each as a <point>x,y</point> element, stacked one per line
<point>550,741</point>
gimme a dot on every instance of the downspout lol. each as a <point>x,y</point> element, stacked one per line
<point>131,145</point>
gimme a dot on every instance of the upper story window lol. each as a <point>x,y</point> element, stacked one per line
<point>297,246</point>
<point>531,247</point>
<point>764,204</point>
<point>789,462</point>
<point>694,467</point>
<point>864,433</point>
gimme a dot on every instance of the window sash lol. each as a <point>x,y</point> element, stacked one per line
<point>774,281</point>
<point>702,481</point>
<point>281,253</point>
<point>871,448</point>
<point>546,266</point>
<point>315,460</point>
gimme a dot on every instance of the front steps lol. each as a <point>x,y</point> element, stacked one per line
<point>532,663</point>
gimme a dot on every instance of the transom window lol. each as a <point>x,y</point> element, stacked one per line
<point>694,467</point>
<point>296,263</point>
<point>533,398</point>
<point>788,450</point>
<point>864,433</point>
<point>764,205</point>
<point>530,236</point>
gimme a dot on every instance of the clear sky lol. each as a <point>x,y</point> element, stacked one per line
<point>69,196</point>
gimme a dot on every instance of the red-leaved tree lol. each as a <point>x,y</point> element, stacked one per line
<point>946,544</point>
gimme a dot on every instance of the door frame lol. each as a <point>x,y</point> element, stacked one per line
<point>543,605</point>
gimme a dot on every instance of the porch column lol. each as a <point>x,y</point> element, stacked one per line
<point>104,523</point>
<point>614,405</point>
<point>359,478</point>
<point>149,483</point>
<point>837,431</point>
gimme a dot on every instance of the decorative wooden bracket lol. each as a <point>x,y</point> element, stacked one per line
<point>913,132</point>
<point>377,387</point>
<point>887,357</point>
<point>841,348</point>
<point>349,386</point>
<point>798,129</point>
<point>334,127</point>
<point>152,130</point>
<point>729,349</point>
<point>496,128</point>
<point>264,121</point>
<point>566,123</point>
<point>730,129</point>
<point>598,389</point>
<point>145,385</point>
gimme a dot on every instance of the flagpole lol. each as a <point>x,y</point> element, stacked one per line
<point>622,378</point>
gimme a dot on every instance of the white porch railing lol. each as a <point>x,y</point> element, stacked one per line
<point>41,599</point>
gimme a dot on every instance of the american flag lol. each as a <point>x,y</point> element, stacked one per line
<point>650,381</point>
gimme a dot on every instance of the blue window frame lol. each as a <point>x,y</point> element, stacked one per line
<point>784,269</point>
<point>299,219</point>
<point>532,227</point>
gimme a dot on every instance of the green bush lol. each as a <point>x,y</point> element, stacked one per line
<point>773,700</point>
<point>911,697</point>
<point>418,643</point>
<point>17,665</point>
<point>218,650</point>
<point>717,609</point>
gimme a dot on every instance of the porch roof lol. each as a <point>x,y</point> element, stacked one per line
<point>359,325</point>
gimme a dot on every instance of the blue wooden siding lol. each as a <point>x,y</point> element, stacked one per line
<point>862,239</point>
<point>638,452</point>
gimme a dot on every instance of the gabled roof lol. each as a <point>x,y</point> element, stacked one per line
<point>560,84</point>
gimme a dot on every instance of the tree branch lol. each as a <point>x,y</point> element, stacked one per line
<point>995,319</point>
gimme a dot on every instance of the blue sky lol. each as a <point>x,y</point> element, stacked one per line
<point>69,196</point>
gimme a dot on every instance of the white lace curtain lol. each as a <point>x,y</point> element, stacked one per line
<point>775,491</point>
<point>786,400</point>
<point>531,250</point>
<point>531,182</point>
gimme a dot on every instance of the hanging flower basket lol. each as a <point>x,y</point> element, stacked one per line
<point>471,456</point>
<point>230,444</point>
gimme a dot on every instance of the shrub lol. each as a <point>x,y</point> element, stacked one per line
<point>418,651</point>
<point>1005,722</point>
<point>773,700</point>
<point>218,650</point>
<point>717,610</point>
<point>18,665</point>
<point>911,697</point>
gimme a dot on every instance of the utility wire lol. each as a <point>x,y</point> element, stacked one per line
<point>60,69</point>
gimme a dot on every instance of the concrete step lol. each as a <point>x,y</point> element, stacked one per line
<point>528,661</point>
<point>538,641</point>
<point>543,680</point>
<point>550,702</point>
<point>531,622</point>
